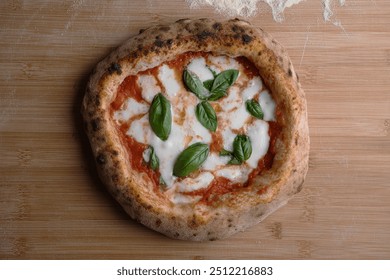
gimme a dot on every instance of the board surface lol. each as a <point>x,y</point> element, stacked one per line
<point>52,205</point>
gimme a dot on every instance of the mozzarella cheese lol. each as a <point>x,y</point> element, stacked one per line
<point>186,129</point>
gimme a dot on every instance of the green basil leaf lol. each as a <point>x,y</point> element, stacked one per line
<point>224,152</point>
<point>235,161</point>
<point>224,80</point>
<point>212,71</point>
<point>254,108</point>
<point>190,159</point>
<point>217,95</point>
<point>242,148</point>
<point>160,116</point>
<point>208,84</point>
<point>206,115</point>
<point>195,85</point>
<point>154,162</point>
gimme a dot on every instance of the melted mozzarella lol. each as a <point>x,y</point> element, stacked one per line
<point>268,106</point>
<point>168,78</point>
<point>178,198</point>
<point>198,66</point>
<point>192,184</point>
<point>236,174</point>
<point>149,87</point>
<point>129,109</point>
<point>214,162</point>
<point>258,134</point>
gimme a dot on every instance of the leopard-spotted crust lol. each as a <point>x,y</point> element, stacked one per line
<point>232,212</point>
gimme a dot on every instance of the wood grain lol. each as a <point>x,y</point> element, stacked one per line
<point>52,205</point>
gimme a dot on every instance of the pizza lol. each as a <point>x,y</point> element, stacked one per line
<point>199,128</point>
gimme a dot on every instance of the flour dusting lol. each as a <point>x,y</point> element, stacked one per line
<point>248,8</point>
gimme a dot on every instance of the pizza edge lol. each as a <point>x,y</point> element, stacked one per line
<point>162,43</point>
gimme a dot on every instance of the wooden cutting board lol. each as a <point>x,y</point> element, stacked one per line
<point>52,205</point>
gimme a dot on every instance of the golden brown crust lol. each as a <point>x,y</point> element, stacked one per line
<point>232,213</point>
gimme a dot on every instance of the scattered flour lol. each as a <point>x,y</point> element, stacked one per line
<point>248,8</point>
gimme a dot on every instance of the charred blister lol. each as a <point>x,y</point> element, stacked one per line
<point>246,39</point>
<point>101,159</point>
<point>115,68</point>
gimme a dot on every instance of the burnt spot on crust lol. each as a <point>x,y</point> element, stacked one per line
<point>237,29</point>
<point>101,159</point>
<point>96,124</point>
<point>176,235</point>
<point>114,67</point>
<point>169,42</point>
<point>159,43</point>
<point>204,35</point>
<point>246,39</point>
<point>164,28</point>
<point>217,26</point>
<point>142,30</point>
<point>158,223</point>
<point>212,239</point>
<point>289,72</point>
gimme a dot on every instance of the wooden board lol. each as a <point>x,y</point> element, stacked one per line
<point>52,205</point>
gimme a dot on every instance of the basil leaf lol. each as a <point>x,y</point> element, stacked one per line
<point>208,84</point>
<point>190,159</point>
<point>160,117</point>
<point>224,80</point>
<point>212,71</point>
<point>195,85</point>
<point>224,152</point>
<point>234,161</point>
<point>217,95</point>
<point>206,115</point>
<point>154,162</point>
<point>242,148</point>
<point>254,108</point>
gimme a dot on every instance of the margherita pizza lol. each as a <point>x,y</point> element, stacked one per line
<point>199,128</point>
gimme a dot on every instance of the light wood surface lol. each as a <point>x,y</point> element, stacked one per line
<point>52,205</point>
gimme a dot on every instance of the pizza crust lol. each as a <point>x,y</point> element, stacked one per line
<point>232,212</point>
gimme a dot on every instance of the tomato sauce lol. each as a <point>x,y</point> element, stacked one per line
<point>220,185</point>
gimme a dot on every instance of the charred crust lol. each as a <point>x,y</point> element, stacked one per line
<point>158,223</point>
<point>114,68</point>
<point>101,159</point>
<point>164,28</point>
<point>158,43</point>
<point>96,124</point>
<point>169,42</point>
<point>204,35</point>
<point>217,26</point>
<point>142,30</point>
<point>246,39</point>
<point>289,72</point>
<point>237,29</point>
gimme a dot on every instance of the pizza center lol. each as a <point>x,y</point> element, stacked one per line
<point>199,126</point>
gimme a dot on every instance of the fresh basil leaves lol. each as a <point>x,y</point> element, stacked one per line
<point>160,116</point>
<point>206,115</point>
<point>210,90</point>
<point>223,81</point>
<point>213,89</point>
<point>254,108</point>
<point>242,150</point>
<point>195,85</point>
<point>190,159</point>
<point>153,162</point>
